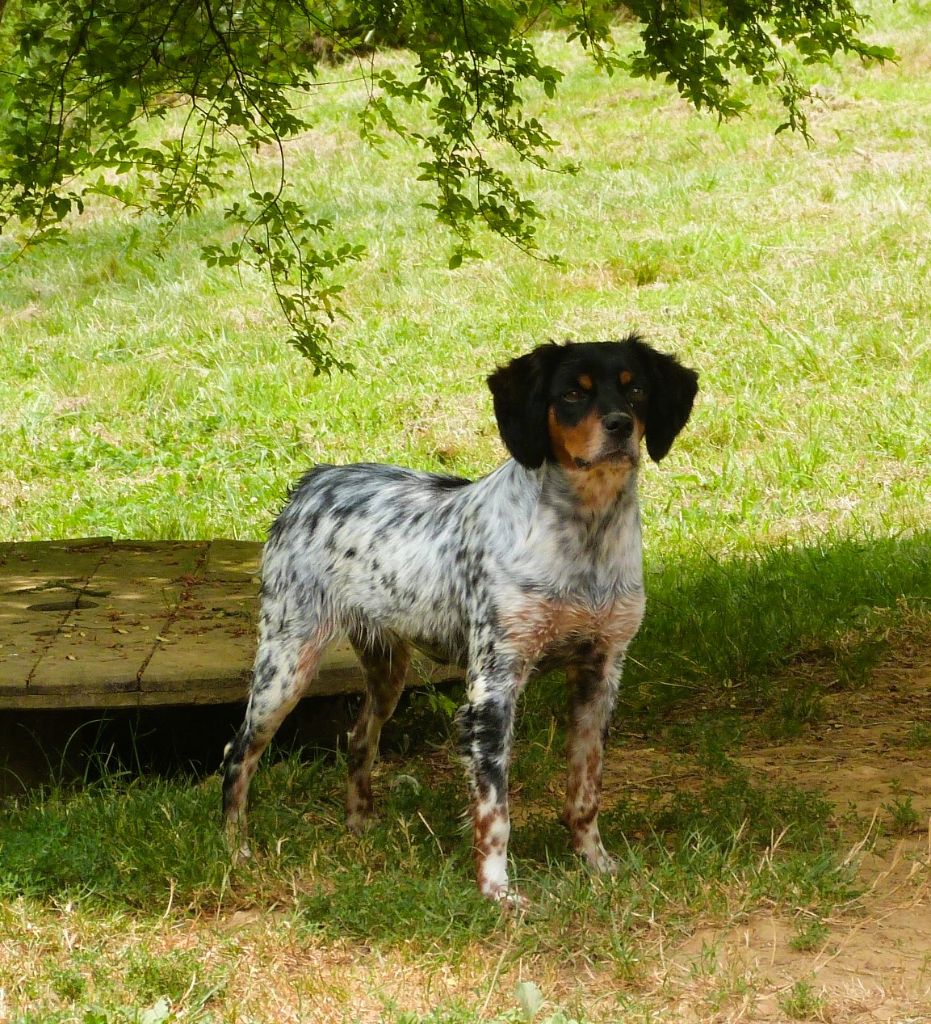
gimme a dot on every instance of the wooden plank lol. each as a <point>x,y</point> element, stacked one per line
<point>233,560</point>
<point>40,585</point>
<point>103,644</point>
<point>92,624</point>
<point>210,637</point>
<point>211,640</point>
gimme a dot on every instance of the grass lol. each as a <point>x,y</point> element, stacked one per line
<point>786,543</point>
<point>802,1002</point>
<point>129,862</point>
<point>795,279</point>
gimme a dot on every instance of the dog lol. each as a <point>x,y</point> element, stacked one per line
<point>535,565</point>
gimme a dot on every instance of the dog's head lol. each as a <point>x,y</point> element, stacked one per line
<point>589,404</point>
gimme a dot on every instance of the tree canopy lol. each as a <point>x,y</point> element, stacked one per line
<point>78,79</point>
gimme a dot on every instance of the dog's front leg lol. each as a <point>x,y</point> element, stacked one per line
<point>485,725</point>
<point>593,678</point>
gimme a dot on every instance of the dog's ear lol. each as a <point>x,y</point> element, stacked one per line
<point>672,391</point>
<point>520,392</point>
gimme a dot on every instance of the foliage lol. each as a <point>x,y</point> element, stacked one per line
<point>80,80</point>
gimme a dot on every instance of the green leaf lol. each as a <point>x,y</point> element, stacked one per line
<point>530,998</point>
<point>156,1014</point>
<point>81,81</point>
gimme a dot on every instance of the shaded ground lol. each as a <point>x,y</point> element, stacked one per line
<point>872,760</point>
<point>868,752</point>
<point>869,960</point>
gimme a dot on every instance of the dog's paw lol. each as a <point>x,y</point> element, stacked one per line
<point>359,823</point>
<point>237,841</point>
<point>507,897</point>
<point>589,847</point>
<point>240,852</point>
<point>509,900</point>
<point>601,862</point>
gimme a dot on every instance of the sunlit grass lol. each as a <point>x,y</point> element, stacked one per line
<point>152,397</point>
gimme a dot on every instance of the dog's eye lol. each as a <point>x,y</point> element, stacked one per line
<point>573,395</point>
<point>636,391</point>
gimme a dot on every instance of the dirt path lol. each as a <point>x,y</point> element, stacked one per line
<point>871,758</point>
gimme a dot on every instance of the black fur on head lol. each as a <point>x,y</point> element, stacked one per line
<point>520,392</point>
<point>524,389</point>
<point>671,394</point>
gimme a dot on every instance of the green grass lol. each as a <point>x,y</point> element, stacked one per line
<point>153,397</point>
<point>786,537</point>
<point>124,856</point>
<point>809,935</point>
<point>802,1002</point>
<point>130,845</point>
<point>919,735</point>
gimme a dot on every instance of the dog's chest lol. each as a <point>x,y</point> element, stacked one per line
<point>539,628</point>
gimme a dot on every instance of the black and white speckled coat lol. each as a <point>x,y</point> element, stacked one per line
<point>537,563</point>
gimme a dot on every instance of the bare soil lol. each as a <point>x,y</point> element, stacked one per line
<point>874,963</point>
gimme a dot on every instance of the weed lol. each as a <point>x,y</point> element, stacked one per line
<point>797,705</point>
<point>919,735</point>
<point>809,935</point>
<point>67,983</point>
<point>712,737</point>
<point>857,662</point>
<point>706,965</point>
<point>802,1002</point>
<point>903,816</point>
<point>177,976</point>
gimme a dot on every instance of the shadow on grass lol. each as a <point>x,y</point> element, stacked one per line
<point>154,846</point>
<point>737,625</point>
<point>147,843</point>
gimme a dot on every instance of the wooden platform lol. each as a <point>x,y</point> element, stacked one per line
<point>101,624</point>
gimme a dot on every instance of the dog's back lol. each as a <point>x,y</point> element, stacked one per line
<point>370,548</point>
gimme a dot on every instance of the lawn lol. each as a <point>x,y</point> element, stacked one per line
<point>771,775</point>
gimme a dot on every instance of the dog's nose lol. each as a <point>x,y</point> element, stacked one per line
<point>618,423</point>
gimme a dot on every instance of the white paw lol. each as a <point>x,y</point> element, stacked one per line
<point>599,860</point>
<point>506,896</point>
<point>240,853</point>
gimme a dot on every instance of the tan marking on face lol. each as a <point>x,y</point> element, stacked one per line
<point>585,382</point>
<point>583,441</point>
<point>596,482</point>
<point>625,377</point>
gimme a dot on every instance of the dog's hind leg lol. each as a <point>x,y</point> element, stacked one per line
<point>285,665</point>
<point>384,663</point>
